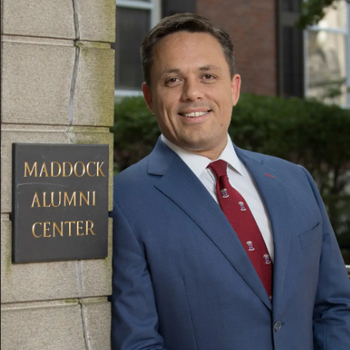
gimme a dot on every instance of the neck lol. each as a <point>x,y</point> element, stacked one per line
<point>210,153</point>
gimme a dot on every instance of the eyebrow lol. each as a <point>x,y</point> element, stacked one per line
<point>171,70</point>
<point>203,68</point>
<point>209,67</point>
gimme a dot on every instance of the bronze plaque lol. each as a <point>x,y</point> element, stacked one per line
<point>60,202</point>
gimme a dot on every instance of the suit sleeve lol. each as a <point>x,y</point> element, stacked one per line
<point>134,314</point>
<point>331,319</point>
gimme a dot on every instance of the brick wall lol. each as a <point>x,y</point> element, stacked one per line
<point>252,27</point>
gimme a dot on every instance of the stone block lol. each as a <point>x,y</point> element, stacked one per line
<point>42,18</point>
<point>47,134</point>
<point>45,326</point>
<point>97,314</point>
<point>94,89</point>
<point>50,82</point>
<point>96,20</point>
<point>36,80</point>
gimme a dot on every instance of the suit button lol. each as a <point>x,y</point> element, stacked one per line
<point>277,326</point>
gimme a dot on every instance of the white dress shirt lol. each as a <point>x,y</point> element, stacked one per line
<point>239,178</point>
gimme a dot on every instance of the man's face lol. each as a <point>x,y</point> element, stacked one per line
<point>191,92</point>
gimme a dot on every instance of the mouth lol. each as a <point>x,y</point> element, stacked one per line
<point>196,114</point>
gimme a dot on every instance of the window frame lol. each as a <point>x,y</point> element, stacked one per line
<point>287,18</point>
<point>346,33</point>
<point>154,7</point>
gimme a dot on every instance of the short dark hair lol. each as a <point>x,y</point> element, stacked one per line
<point>189,22</point>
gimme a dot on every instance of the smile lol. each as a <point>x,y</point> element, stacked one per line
<point>194,114</point>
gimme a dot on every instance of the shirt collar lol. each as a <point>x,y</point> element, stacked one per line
<point>198,163</point>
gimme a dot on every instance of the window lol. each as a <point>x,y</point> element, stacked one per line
<point>327,57</point>
<point>134,19</point>
<point>290,49</point>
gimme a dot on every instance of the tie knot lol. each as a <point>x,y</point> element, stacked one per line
<point>219,168</point>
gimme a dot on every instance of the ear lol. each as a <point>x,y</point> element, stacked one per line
<point>236,88</point>
<point>147,95</point>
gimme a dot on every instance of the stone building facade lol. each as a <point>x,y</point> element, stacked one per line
<point>57,86</point>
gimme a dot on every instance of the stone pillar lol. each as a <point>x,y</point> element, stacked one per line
<point>57,84</point>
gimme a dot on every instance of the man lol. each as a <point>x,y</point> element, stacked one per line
<point>243,259</point>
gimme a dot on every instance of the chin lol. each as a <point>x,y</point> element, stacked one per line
<point>196,145</point>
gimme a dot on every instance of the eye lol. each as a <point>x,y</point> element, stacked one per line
<point>172,81</point>
<point>209,77</point>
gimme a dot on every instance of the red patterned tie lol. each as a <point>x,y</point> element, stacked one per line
<point>240,217</point>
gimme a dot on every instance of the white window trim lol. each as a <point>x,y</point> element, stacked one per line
<point>143,5</point>
<point>126,93</point>
<point>347,53</point>
<point>154,6</point>
<point>329,30</point>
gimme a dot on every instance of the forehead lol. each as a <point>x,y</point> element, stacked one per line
<point>187,48</point>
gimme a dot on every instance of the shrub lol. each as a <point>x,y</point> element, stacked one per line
<point>135,131</point>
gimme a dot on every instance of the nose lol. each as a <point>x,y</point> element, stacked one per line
<point>191,90</point>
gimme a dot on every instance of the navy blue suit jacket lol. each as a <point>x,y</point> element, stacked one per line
<point>182,280</point>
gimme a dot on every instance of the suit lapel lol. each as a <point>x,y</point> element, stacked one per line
<point>280,203</point>
<point>180,185</point>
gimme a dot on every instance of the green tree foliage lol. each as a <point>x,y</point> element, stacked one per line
<point>314,10</point>
<point>309,133</point>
